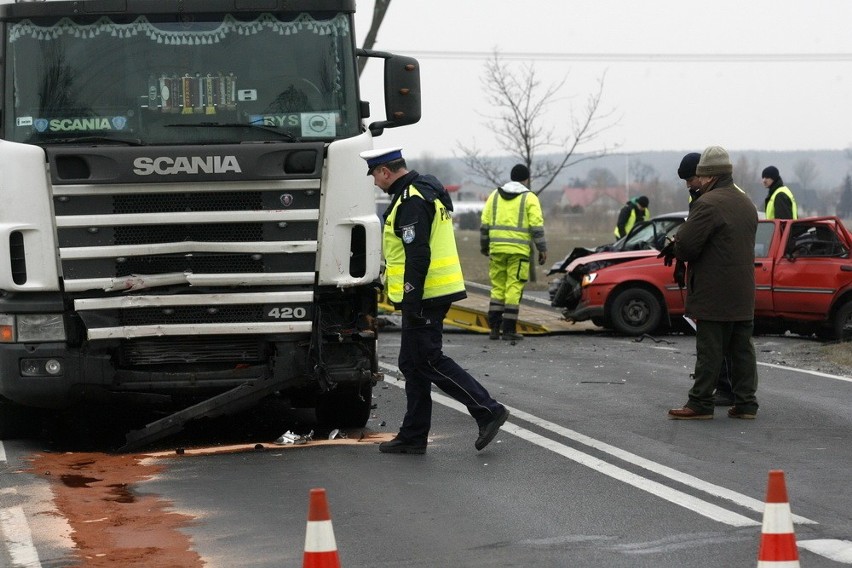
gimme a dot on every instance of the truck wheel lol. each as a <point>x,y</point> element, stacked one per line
<point>635,311</point>
<point>16,421</point>
<point>345,407</point>
<point>843,321</point>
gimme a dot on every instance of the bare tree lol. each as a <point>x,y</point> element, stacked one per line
<point>379,11</point>
<point>806,172</point>
<point>601,178</point>
<point>521,102</point>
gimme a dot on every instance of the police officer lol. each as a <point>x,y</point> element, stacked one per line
<point>634,211</point>
<point>780,201</point>
<point>511,218</point>
<point>423,277</point>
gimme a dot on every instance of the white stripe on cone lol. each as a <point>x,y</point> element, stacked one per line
<point>777,518</point>
<point>319,537</point>
<point>778,564</point>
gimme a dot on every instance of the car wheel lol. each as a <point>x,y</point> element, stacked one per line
<point>843,321</point>
<point>635,311</point>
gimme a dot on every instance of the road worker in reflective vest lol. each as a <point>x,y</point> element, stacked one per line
<point>634,211</point>
<point>423,278</point>
<point>511,222</point>
<point>780,202</point>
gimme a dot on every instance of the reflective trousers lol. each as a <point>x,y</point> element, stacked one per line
<point>423,362</point>
<point>508,274</point>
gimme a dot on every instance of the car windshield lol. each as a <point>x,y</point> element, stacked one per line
<point>180,79</point>
<point>651,234</point>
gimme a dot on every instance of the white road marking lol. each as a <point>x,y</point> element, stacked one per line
<point>15,529</point>
<point>18,539</point>
<point>833,549</point>
<point>680,498</point>
<point>806,371</point>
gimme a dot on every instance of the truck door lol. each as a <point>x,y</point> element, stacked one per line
<point>808,274</point>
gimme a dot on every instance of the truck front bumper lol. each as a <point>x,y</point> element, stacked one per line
<point>61,390</point>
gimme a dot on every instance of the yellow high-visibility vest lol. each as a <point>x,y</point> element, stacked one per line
<point>509,223</point>
<point>444,276</point>
<point>770,205</point>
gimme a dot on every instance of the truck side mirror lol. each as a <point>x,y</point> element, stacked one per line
<point>402,90</point>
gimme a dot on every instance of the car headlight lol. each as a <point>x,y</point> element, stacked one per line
<point>40,327</point>
<point>588,278</point>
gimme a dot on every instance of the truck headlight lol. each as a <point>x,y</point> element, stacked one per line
<point>40,327</point>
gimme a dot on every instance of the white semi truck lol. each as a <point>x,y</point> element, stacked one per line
<point>185,221</point>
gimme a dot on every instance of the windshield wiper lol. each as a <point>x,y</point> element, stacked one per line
<point>264,127</point>
<point>95,139</point>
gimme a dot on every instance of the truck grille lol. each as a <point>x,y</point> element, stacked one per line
<point>192,254</point>
<point>190,350</point>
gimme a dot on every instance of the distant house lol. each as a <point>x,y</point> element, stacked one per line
<point>606,200</point>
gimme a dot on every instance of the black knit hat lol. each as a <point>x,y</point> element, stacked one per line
<point>643,201</point>
<point>688,165</point>
<point>520,173</point>
<point>771,172</point>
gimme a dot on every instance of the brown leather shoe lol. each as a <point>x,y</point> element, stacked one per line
<point>687,413</point>
<point>735,412</point>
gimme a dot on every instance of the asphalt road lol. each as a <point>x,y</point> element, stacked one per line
<point>587,472</point>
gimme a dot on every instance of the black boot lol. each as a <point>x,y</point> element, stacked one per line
<point>495,319</point>
<point>510,331</point>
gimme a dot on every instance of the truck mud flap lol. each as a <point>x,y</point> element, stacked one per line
<point>234,400</point>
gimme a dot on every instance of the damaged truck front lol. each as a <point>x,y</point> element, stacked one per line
<point>185,217</point>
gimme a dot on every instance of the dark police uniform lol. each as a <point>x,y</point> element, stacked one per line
<point>423,278</point>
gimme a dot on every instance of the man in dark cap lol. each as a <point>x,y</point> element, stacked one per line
<point>780,202</point>
<point>511,222</point>
<point>423,278</point>
<point>717,242</point>
<point>686,172</point>
<point>634,211</point>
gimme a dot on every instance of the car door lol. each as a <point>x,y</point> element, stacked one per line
<point>811,270</point>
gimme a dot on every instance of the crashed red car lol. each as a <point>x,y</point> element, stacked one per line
<point>803,277</point>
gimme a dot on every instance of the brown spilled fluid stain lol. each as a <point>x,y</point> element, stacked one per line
<point>111,524</point>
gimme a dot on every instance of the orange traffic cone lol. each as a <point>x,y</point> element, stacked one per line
<point>320,548</point>
<point>777,540</point>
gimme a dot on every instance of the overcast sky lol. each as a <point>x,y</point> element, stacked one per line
<point>679,74</point>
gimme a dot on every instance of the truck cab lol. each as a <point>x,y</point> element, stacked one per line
<point>186,217</point>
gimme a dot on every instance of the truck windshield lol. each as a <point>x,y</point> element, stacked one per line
<point>180,79</point>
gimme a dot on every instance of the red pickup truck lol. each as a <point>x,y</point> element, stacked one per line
<point>803,277</point>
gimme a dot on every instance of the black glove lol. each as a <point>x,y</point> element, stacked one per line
<point>484,251</point>
<point>680,273</point>
<point>667,254</point>
<point>413,318</point>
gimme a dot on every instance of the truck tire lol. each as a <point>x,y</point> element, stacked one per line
<point>843,322</point>
<point>635,311</point>
<point>345,407</point>
<point>16,421</point>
